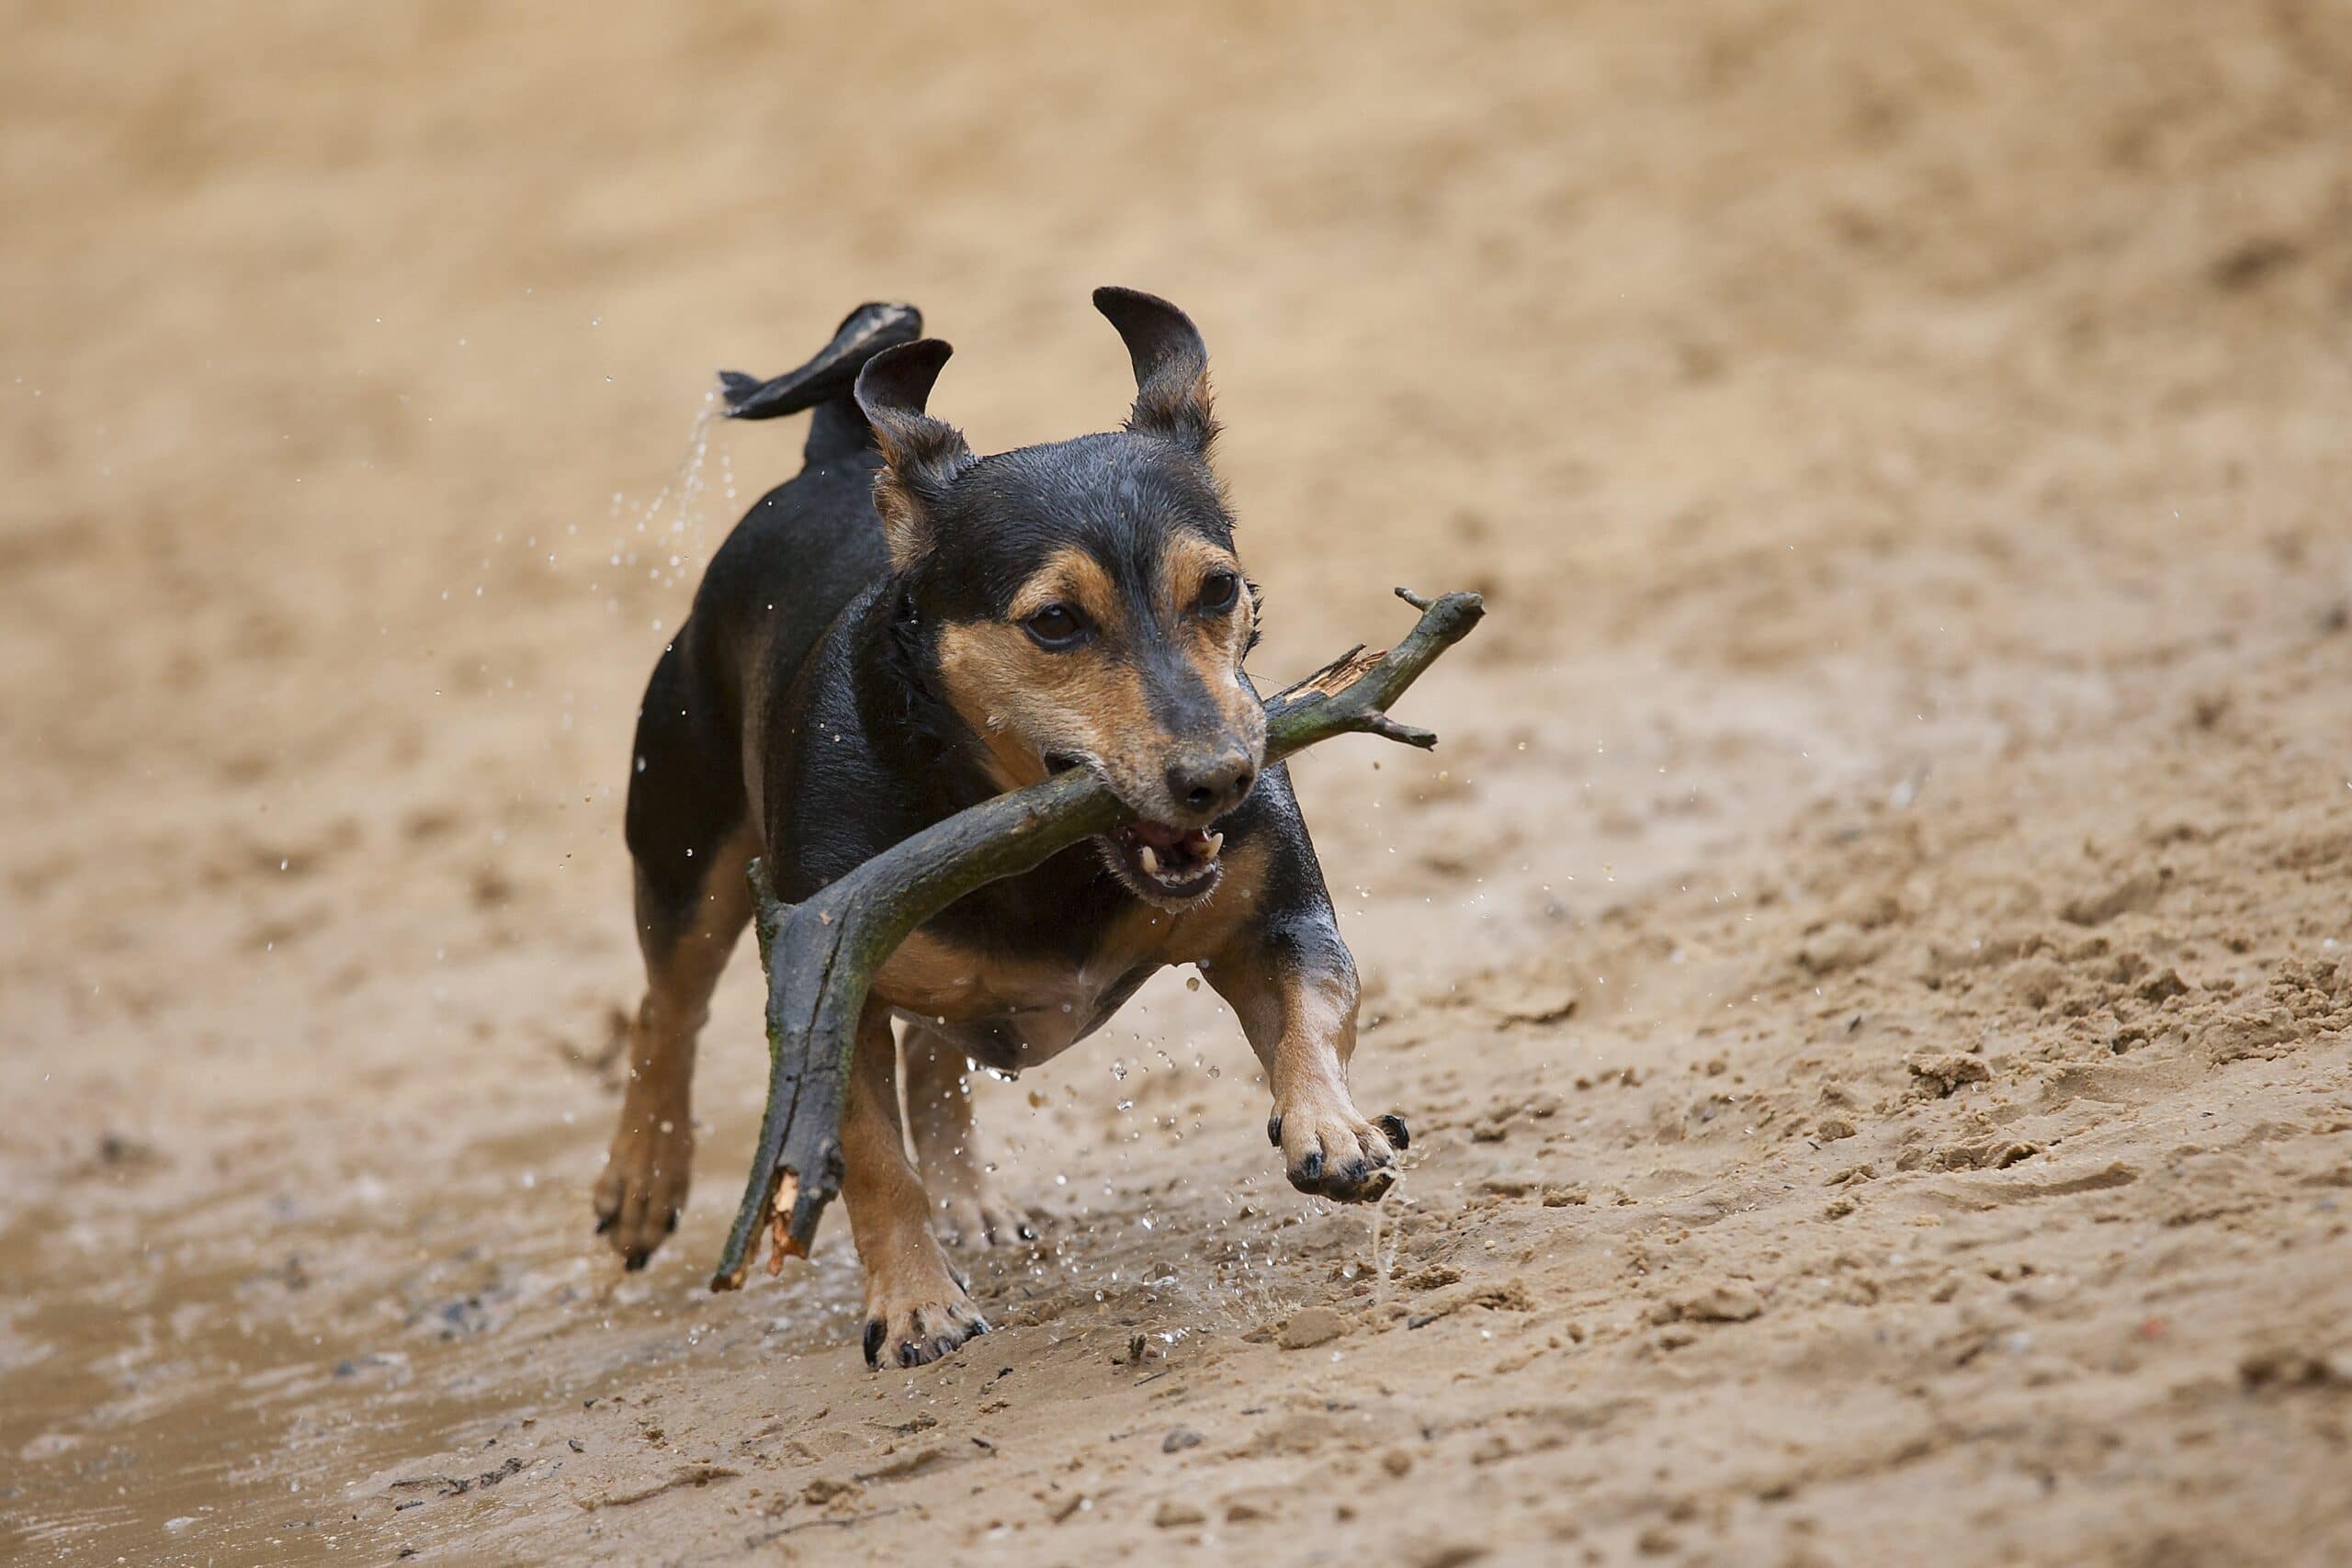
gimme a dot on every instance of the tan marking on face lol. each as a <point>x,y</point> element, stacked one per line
<point>1214,645</point>
<point>1027,703</point>
<point>1072,577</point>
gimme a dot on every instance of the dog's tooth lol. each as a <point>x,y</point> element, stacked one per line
<point>1151,861</point>
<point>1211,845</point>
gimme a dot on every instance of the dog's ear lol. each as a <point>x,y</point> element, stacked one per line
<point>922,458</point>
<point>1171,368</point>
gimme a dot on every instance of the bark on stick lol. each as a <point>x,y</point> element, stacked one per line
<point>821,954</point>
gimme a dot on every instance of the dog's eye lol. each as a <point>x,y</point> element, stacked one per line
<point>1057,627</point>
<point>1220,591</point>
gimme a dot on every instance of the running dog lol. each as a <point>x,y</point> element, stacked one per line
<point>905,629</point>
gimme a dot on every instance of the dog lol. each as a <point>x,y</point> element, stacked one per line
<point>903,630</point>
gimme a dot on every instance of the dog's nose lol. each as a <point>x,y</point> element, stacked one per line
<point>1216,782</point>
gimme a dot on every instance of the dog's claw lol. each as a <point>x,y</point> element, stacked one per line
<point>1274,1131</point>
<point>925,1334</point>
<point>1392,1127</point>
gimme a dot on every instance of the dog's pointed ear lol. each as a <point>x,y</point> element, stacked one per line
<point>1171,368</point>
<point>922,458</point>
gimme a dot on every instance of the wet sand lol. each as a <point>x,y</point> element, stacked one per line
<point>1866,967</point>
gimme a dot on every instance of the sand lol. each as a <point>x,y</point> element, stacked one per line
<point>1866,968</point>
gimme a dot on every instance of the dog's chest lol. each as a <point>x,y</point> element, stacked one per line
<point>1007,1013</point>
<point>1011,1012</point>
<point>1014,1010</point>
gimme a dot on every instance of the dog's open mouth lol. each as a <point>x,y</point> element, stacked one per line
<point>1167,866</point>
<point>1168,863</point>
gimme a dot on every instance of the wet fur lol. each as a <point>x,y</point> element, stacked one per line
<point>854,670</point>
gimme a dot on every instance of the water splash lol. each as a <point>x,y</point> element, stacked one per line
<point>1383,1259</point>
<point>671,531</point>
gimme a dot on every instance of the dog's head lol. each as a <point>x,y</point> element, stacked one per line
<point>1081,604</point>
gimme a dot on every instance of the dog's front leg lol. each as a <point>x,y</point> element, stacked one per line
<point>915,1310</point>
<point>1294,986</point>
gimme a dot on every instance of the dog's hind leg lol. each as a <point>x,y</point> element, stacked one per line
<point>643,1189</point>
<point>690,840</point>
<point>916,1311</point>
<point>955,1172</point>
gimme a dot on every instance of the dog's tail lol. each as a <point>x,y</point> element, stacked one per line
<point>827,381</point>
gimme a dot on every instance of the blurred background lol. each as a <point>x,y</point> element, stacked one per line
<point>1829,396</point>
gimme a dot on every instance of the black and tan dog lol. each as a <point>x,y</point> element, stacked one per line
<point>905,629</point>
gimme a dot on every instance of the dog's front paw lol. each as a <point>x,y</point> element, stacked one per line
<point>643,1189</point>
<point>911,1330</point>
<point>1331,1152</point>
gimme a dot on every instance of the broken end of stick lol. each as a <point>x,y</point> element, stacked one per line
<point>800,1204</point>
<point>744,1247</point>
<point>786,1245</point>
<point>788,1233</point>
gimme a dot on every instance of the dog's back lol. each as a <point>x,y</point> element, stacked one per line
<point>801,553</point>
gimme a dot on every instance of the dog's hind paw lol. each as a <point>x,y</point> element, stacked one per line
<point>912,1334</point>
<point>643,1189</point>
<point>984,1220</point>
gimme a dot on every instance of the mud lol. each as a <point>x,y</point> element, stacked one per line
<point>1865,969</point>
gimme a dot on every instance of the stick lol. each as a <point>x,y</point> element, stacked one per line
<point>821,954</point>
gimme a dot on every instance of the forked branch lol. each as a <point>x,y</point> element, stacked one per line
<point>821,954</point>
